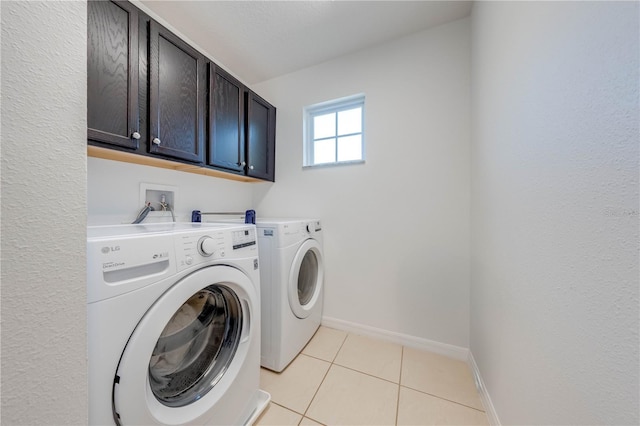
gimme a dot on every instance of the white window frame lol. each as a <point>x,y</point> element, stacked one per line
<point>336,106</point>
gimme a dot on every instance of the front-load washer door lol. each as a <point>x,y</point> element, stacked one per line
<point>180,359</point>
<point>306,279</point>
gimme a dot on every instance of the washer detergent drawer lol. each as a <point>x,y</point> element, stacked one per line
<point>125,262</point>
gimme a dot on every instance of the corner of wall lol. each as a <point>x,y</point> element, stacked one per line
<point>487,403</point>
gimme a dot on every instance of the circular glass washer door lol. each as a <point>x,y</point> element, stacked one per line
<point>182,348</point>
<point>306,279</point>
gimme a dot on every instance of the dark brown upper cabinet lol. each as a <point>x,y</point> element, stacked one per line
<point>112,73</point>
<point>226,121</point>
<point>177,90</point>
<point>146,84</point>
<point>261,137</point>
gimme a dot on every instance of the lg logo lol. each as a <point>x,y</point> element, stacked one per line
<point>106,250</point>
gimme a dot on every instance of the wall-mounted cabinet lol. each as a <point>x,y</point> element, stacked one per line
<point>177,96</point>
<point>241,127</point>
<point>112,74</point>
<point>261,137</point>
<point>226,121</point>
<point>149,94</point>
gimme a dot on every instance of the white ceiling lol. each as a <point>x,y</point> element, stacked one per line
<point>259,40</point>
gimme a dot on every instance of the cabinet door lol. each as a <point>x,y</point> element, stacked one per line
<point>261,137</point>
<point>177,89</point>
<point>112,73</point>
<point>226,121</point>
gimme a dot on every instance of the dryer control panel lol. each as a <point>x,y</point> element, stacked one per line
<point>287,232</point>
<point>313,227</point>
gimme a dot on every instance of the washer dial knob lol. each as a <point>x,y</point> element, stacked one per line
<point>206,246</point>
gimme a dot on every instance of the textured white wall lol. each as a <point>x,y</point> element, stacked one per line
<point>44,364</point>
<point>114,192</point>
<point>554,292</point>
<point>397,227</point>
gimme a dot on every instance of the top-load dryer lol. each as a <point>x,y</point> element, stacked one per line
<point>292,287</point>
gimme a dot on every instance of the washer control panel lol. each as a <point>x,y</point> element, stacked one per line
<point>122,258</point>
<point>243,238</point>
<point>199,247</point>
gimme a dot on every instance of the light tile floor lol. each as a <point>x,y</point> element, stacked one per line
<point>345,379</point>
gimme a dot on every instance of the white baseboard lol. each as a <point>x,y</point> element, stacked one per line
<point>451,351</point>
<point>484,395</point>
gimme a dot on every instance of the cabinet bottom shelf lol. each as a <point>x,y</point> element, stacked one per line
<point>126,157</point>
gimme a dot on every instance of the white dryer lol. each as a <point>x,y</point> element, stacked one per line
<point>174,324</point>
<point>292,283</point>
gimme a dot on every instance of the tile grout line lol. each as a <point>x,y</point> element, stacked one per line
<point>399,384</point>
<point>286,408</point>
<point>443,398</point>
<point>314,396</point>
<point>359,371</point>
<point>322,381</point>
<point>340,348</point>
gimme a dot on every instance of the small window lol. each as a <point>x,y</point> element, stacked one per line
<point>334,132</point>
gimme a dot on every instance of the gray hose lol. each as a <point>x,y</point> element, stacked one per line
<point>143,213</point>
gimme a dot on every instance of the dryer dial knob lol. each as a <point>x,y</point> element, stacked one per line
<point>206,246</point>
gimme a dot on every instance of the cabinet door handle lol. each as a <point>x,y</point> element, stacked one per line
<point>244,163</point>
<point>135,135</point>
<point>156,141</point>
<point>251,167</point>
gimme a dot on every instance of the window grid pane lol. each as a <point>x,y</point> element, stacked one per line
<point>324,126</point>
<point>324,151</point>
<point>350,148</point>
<point>335,133</point>
<point>350,121</point>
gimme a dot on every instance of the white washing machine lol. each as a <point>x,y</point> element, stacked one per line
<point>292,283</point>
<point>174,324</point>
